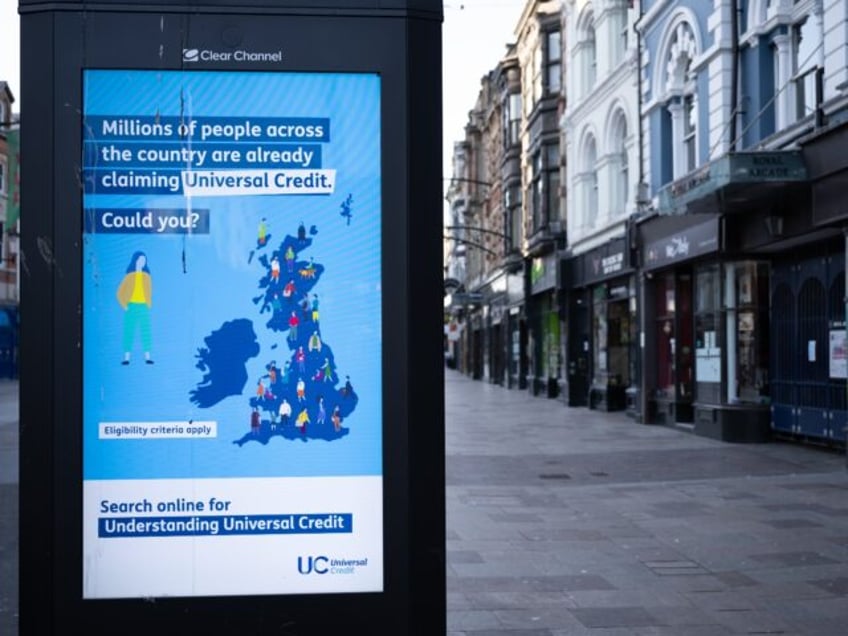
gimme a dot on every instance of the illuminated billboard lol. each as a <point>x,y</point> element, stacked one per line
<point>232,333</point>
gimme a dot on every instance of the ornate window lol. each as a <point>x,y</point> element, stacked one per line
<point>618,31</point>
<point>553,66</point>
<point>797,49</point>
<point>553,181</point>
<point>511,120</point>
<point>589,182</point>
<point>680,86</point>
<point>804,49</point>
<point>619,167</point>
<point>585,54</point>
<point>537,189</point>
<point>512,205</point>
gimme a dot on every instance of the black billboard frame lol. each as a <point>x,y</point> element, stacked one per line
<point>401,43</point>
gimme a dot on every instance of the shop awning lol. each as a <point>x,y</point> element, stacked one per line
<point>733,179</point>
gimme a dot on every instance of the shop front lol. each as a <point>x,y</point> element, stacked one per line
<point>603,345</point>
<point>514,325</point>
<point>711,279</point>
<point>543,339</point>
<point>673,249</point>
<point>799,228</point>
<point>496,306</point>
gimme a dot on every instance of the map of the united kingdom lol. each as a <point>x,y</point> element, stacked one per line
<point>299,395</point>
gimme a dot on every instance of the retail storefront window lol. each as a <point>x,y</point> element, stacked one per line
<point>751,285</point>
<point>731,333</point>
<point>599,335</point>
<point>664,325</point>
<point>618,321</point>
<point>708,333</point>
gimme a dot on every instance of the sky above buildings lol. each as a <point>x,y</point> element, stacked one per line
<point>474,37</point>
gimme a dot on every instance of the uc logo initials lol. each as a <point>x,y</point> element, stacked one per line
<point>312,564</point>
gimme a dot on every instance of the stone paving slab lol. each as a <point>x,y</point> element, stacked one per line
<point>572,522</point>
<point>568,521</point>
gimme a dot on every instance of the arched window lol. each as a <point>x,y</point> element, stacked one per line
<point>585,53</point>
<point>591,67</point>
<point>619,166</point>
<point>590,182</point>
<point>618,31</point>
<point>682,104</point>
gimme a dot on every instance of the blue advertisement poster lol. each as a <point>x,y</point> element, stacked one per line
<point>232,407</point>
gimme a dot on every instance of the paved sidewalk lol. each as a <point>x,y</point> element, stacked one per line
<point>569,521</point>
<point>8,507</point>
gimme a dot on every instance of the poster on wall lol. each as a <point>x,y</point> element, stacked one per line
<point>838,351</point>
<point>232,407</point>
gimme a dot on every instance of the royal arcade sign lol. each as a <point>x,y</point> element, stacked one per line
<point>739,168</point>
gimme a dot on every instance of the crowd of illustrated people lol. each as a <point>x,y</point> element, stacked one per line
<point>303,398</point>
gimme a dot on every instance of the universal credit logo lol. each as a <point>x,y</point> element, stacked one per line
<point>322,565</point>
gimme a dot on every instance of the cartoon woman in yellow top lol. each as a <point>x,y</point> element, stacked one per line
<point>135,297</point>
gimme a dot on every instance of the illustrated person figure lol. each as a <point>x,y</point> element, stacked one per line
<point>309,270</point>
<point>302,421</point>
<point>346,212</point>
<point>276,304</point>
<point>272,372</point>
<point>301,232</point>
<point>288,290</point>
<point>263,232</point>
<point>322,413</point>
<point>294,321</point>
<point>315,342</point>
<point>336,417</point>
<point>260,389</point>
<point>348,387</point>
<point>285,412</point>
<point>284,377</point>
<point>254,421</point>
<point>318,375</point>
<point>275,270</point>
<point>300,358</point>
<point>328,371</point>
<point>135,297</point>
<point>314,307</point>
<point>301,390</point>
<point>289,256</point>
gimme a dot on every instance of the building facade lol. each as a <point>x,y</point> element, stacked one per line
<point>539,47</point>
<point>9,242</point>
<point>600,132</point>
<point>698,166</point>
<point>743,259</point>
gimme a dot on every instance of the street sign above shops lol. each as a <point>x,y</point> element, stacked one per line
<point>463,299</point>
<point>733,169</point>
<point>682,244</point>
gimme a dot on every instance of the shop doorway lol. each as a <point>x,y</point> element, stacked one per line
<point>808,348</point>
<point>578,351</point>
<point>673,335</point>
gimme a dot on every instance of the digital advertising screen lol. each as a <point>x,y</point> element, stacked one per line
<point>232,349</point>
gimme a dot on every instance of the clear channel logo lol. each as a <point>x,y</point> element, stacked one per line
<point>322,565</point>
<point>238,55</point>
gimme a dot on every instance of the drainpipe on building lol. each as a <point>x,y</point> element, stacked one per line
<point>734,82</point>
<point>641,202</point>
